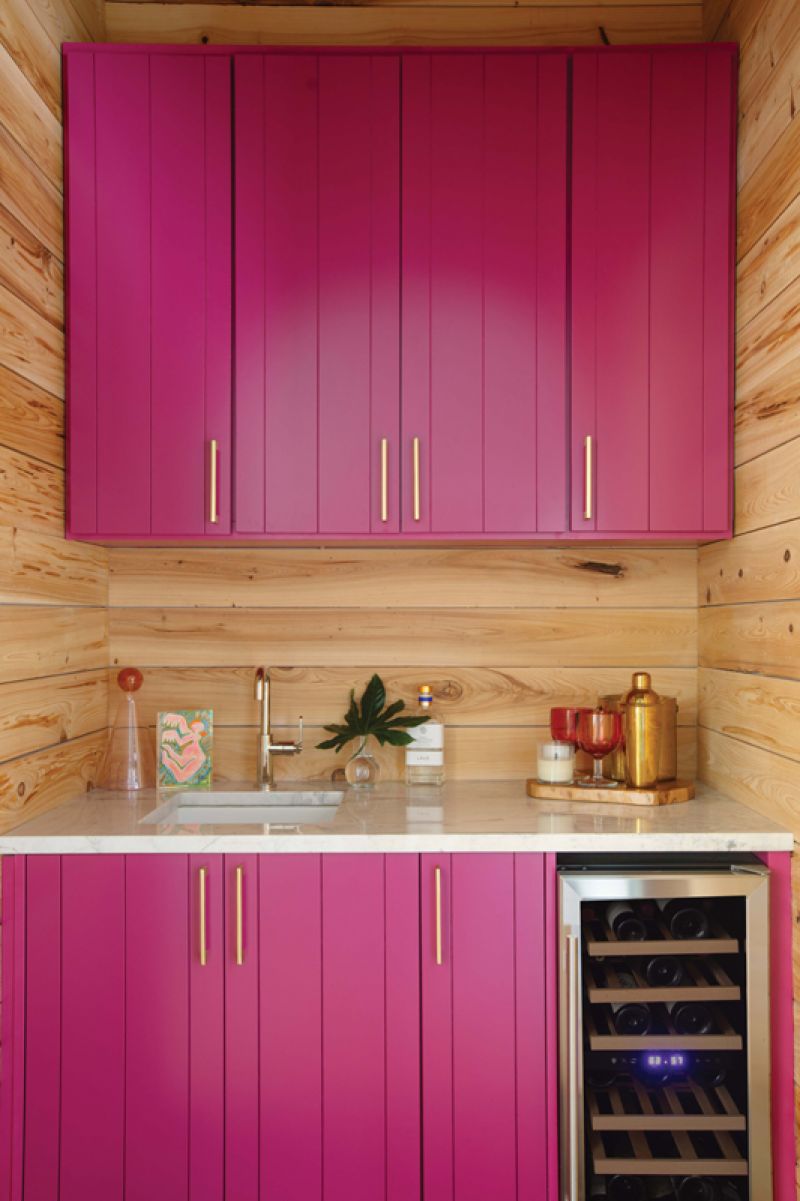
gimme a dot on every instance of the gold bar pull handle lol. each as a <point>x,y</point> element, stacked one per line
<point>239,916</point>
<point>384,479</point>
<point>437,882</point>
<point>415,453</point>
<point>201,876</point>
<point>574,1132</point>
<point>213,512</point>
<point>588,482</point>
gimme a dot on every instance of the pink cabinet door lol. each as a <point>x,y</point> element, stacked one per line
<point>149,293</point>
<point>652,270</point>
<point>339,1027</point>
<point>317,241</point>
<point>488,1070</point>
<point>484,293</point>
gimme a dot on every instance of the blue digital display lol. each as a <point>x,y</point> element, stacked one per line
<point>675,1061</point>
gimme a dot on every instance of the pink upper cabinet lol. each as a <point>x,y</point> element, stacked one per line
<point>484,413</point>
<point>652,270</point>
<point>149,284</point>
<point>317,195</point>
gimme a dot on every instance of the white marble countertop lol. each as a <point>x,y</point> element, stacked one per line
<point>460,816</point>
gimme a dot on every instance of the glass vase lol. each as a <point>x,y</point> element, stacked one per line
<point>363,769</point>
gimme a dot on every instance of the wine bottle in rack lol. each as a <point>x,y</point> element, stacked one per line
<point>662,971</point>
<point>631,1019</point>
<point>625,922</point>
<point>691,1017</point>
<point>709,1071</point>
<point>720,1189</point>
<point>685,919</point>
<point>601,1077</point>
<point>618,1188</point>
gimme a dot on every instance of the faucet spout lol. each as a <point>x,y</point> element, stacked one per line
<point>266,747</point>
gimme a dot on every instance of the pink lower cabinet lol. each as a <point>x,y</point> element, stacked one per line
<point>488,1024</point>
<point>653,176</point>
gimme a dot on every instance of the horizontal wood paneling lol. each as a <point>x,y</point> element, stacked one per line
<point>768,489</point>
<point>31,493</point>
<point>27,193</point>
<point>762,638</point>
<point>434,637</point>
<point>40,569</point>
<point>30,345</point>
<point>33,716</point>
<point>29,270</point>
<point>761,566</point>
<point>33,44</point>
<point>31,420</point>
<point>40,640</point>
<point>500,696</point>
<point>389,578</point>
<point>759,778</point>
<point>768,377</point>
<point>33,783</point>
<point>759,710</point>
<point>564,24</point>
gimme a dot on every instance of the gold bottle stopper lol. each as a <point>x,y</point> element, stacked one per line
<point>642,732</point>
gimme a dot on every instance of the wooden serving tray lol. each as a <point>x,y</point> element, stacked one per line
<point>671,792</point>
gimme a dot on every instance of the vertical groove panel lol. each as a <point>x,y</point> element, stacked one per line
<point>437,1034</point>
<point>156,1028</point>
<point>290,1052</point>
<point>124,317</point>
<point>43,1027</point>
<point>81,294</point>
<point>241,1035</point>
<point>354,1034</point>
<point>403,1118</point>
<point>206,1035</point>
<point>676,291</point>
<point>533,936</point>
<point>93,1027</point>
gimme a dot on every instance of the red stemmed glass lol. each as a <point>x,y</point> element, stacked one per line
<point>564,724</point>
<point>599,733</point>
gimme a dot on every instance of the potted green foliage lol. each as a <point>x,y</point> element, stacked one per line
<point>369,718</point>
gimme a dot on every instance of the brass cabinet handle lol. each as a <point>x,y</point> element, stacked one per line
<point>587,482</point>
<point>415,449</point>
<point>201,876</point>
<point>437,880</point>
<point>239,916</point>
<point>574,1084</point>
<point>213,514</point>
<point>384,479</point>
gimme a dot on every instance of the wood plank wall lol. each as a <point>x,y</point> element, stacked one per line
<point>749,620</point>
<point>500,634</point>
<point>53,594</point>
<point>408,22</point>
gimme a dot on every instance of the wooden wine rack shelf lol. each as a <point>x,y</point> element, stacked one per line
<point>603,1038</point>
<point>684,1162</point>
<point>707,982</point>
<point>720,943</point>
<point>672,1107</point>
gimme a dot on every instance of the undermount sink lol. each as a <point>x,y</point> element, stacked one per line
<point>285,806</point>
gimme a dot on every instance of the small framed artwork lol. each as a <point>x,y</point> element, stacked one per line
<point>185,748</point>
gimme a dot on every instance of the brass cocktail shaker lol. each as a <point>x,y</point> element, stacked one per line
<point>642,732</point>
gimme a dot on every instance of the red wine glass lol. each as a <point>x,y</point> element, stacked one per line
<point>599,733</point>
<point>564,724</point>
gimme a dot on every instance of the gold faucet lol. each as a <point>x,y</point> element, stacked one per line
<point>266,747</point>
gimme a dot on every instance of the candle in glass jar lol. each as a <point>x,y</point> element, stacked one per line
<point>555,762</point>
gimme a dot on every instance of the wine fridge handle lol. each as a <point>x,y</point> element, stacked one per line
<point>574,1089</point>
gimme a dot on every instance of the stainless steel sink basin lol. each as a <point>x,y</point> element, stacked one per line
<point>286,806</point>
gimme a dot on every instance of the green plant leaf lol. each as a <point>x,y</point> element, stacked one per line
<point>395,738</point>
<point>372,702</point>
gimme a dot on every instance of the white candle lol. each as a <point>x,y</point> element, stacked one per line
<point>555,763</point>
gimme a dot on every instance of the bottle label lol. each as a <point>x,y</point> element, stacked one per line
<point>428,737</point>
<point>419,758</point>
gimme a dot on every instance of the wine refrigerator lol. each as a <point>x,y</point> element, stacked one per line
<point>664,1030</point>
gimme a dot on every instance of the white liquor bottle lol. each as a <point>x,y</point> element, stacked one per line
<point>425,755</point>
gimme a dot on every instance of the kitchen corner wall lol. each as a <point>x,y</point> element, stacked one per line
<point>53,594</point>
<point>749,621</point>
